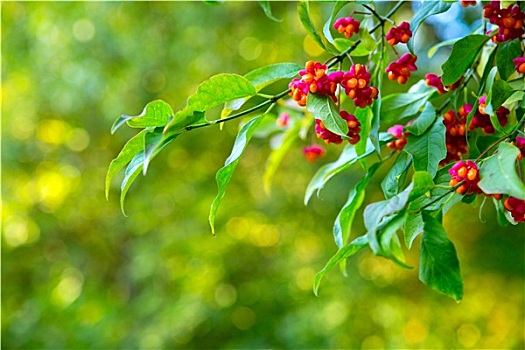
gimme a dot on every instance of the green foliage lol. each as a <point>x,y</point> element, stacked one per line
<point>463,54</point>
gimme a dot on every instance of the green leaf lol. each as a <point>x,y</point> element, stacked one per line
<point>364,116</point>
<point>261,78</point>
<point>224,174</point>
<point>428,149</point>
<point>345,218</point>
<point>218,89</point>
<point>134,168</point>
<point>156,113</point>
<point>424,121</point>
<point>500,211</point>
<point>264,76</point>
<point>413,227</point>
<point>501,90</point>
<point>265,5</point>
<point>347,158</point>
<point>277,155</point>
<point>378,214</point>
<point>323,108</point>
<point>303,10</point>
<point>130,149</point>
<point>395,107</point>
<point>463,54</point>
<point>395,178</point>
<point>367,40</point>
<point>439,264</point>
<point>423,184</point>
<point>507,51</point>
<point>389,241</point>
<point>498,173</point>
<point>427,9</point>
<point>341,255</point>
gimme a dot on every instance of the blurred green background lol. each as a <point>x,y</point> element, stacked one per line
<point>76,273</point>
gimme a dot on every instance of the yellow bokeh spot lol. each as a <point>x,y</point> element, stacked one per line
<point>77,139</point>
<point>265,236</point>
<point>468,335</point>
<point>19,230</point>
<point>305,278</point>
<point>53,131</point>
<point>90,313</point>
<point>53,188</point>
<point>243,317</point>
<point>69,287</point>
<point>415,331</point>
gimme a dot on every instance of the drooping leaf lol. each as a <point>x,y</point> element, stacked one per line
<point>156,113</point>
<point>265,5</point>
<point>264,76</point>
<point>500,211</point>
<point>277,155</point>
<point>427,9</point>
<point>389,241</point>
<point>498,173</point>
<point>327,171</point>
<point>428,149</point>
<point>323,108</point>
<point>424,121</point>
<point>367,40</point>
<point>463,54</point>
<point>345,218</point>
<point>303,10</point>
<point>378,214</point>
<point>342,254</point>
<point>397,106</point>
<point>501,90</point>
<point>507,51</point>
<point>439,264</point>
<point>396,175</point>
<point>225,173</point>
<point>130,149</point>
<point>423,184</point>
<point>134,168</point>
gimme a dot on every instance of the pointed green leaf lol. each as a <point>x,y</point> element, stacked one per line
<point>342,44</point>
<point>225,173</point>
<point>341,255</point>
<point>463,54</point>
<point>156,113</point>
<point>432,51</point>
<point>439,264</point>
<point>378,214</point>
<point>424,121</point>
<point>345,218</point>
<point>303,10</point>
<point>265,5</point>
<point>323,108</point>
<point>364,116</point>
<point>264,76</point>
<point>498,173</point>
<point>507,51</point>
<point>423,184</point>
<point>395,178</point>
<point>130,149</point>
<point>327,171</point>
<point>428,149</point>
<point>389,241</point>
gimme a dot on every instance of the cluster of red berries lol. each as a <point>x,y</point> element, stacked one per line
<point>520,143</point>
<point>354,127</point>
<point>399,34</point>
<point>482,120</point>
<point>519,64</point>
<point>313,152</point>
<point>509,20</point>
<point>466,173</point>
<point>466,3</point>
<point>433,80</point>
<point>400,70</point>
<point>315,80</point>
<point>401,137</point>
<point>347,26</point>
<point>455,133</point>
<point>356,83</point>
<point>516,207</point>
